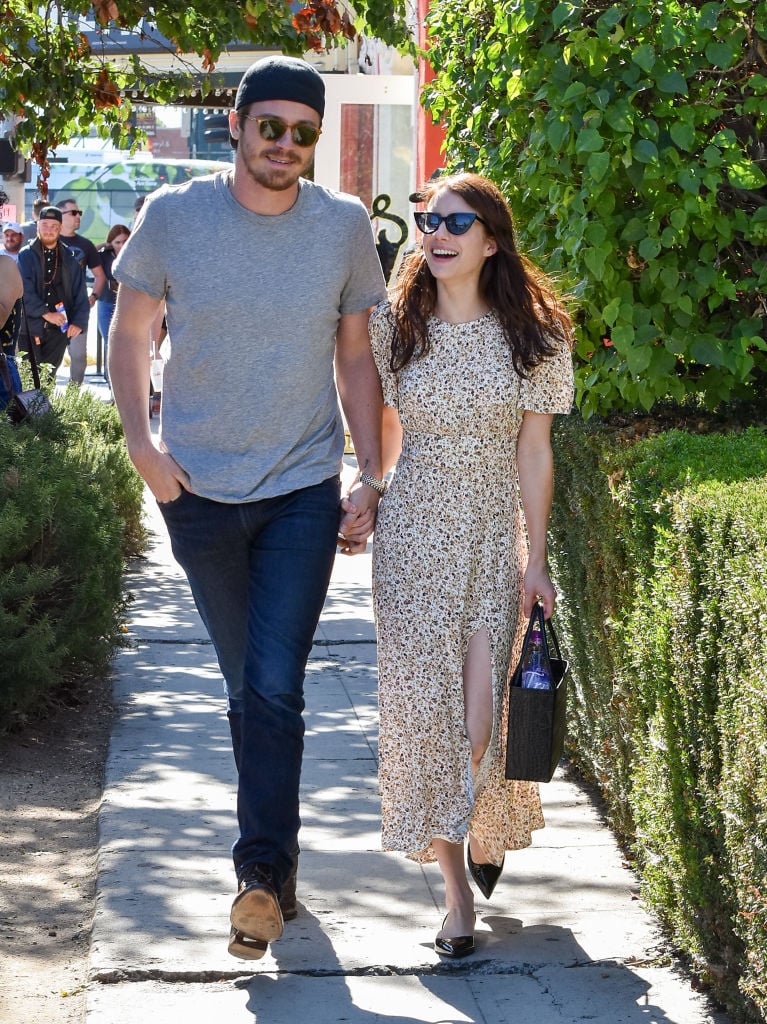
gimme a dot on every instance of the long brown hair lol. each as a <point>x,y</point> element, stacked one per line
<point>520,294</point>
<point>115,231</point>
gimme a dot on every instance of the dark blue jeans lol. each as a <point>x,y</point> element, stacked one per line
<point>259,573</point>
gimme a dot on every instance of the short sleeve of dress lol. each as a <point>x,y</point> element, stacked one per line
<point>381,330</point>
<point>549,386</point>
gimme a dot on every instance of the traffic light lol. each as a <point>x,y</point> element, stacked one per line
<point>215,128</point>
<point>8,157</point>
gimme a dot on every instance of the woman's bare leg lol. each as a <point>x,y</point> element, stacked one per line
<point>459,899</point>
<point>478,700</point>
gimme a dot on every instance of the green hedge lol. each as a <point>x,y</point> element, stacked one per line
<point>70,512</point>
<point>660,548</point>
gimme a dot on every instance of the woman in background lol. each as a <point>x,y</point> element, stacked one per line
<point>117,237</point>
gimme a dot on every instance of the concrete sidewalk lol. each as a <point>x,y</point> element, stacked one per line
<point>564,938</point>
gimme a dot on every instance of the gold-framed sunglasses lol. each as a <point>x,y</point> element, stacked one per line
<point>273,128</point>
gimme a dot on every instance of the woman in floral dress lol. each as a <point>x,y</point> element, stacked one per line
<point>473,351</point>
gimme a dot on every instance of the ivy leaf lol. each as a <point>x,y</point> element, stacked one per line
<point>607,21</point>
<point>638,358</point>
<point>673,82</point>
<point>683,135</point>
<point>611,310</point>
<point>623,337</point>
<point>556,133</point>
<point>634,230</point>
<point>588,141</point>
<point>644,56</point>
<point>720,55</point>
<point>690,180</point>
<point>649,248</point>
<point>706,351</point>
<point>595,258</point>
<point>745,174</point>
<point>598,165</point>
<point>709,16</point>
<point>645,151</point>
<point>560,14</point>
<point>574,92</point>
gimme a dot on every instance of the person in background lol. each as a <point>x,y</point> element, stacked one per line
<point>268,322</point>
<point>11,290</point>
<point>117,236</point>
<point>13,238</point>
<point>87,256</point>
<point>29,227</point>
<point>52,275</point>
<point>137,206</point>
<point>473,351</point>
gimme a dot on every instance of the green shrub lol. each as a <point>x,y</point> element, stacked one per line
<point>690,669</point>
<point>660,546</point>
<point>630,140</point>
<point>102,454</point>
<point>70,512</point>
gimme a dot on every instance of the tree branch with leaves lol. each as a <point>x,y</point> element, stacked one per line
<point>57,82</point>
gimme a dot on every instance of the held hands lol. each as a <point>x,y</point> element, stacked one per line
<point>537,584</point>
<point>358,516</point>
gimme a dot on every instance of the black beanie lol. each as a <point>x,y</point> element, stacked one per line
<point>282,78</point>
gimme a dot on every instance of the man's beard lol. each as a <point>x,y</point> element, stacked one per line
<point>276,179</point>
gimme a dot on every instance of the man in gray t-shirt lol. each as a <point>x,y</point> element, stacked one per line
<point>247,471</point>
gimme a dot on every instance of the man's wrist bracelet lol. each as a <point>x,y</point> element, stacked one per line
<point>374,482</point>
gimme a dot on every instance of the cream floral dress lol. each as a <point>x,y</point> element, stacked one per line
<point>448,557</point>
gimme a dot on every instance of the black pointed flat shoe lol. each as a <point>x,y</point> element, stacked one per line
<point>485,875</point>
<point>456,948</point>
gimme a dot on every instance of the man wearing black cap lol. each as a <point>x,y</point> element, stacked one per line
<point>247,473</point>
<point>88,257</point>
<point>55,296</point>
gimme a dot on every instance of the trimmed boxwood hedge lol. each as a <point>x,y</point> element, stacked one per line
<point>70,513</point>
<point>659,546</point>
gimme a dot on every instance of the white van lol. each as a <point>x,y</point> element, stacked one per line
<point>107,192</point>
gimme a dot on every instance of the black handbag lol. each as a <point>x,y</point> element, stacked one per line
<point>25,405</point>
<point>537,718</point>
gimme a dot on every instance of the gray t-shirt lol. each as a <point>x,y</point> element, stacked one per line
<point>249,403</point>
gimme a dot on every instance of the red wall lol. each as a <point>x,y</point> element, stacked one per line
<point>429,136</point>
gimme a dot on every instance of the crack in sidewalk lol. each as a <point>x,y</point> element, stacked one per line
<point>475,968</point>
<point>478,968</point>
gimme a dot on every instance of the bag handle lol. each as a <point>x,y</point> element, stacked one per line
<point>31,351</point>
<point>547,630</point>
<point>530,624</point>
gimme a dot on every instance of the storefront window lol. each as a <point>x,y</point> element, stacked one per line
<point>376,158</point>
